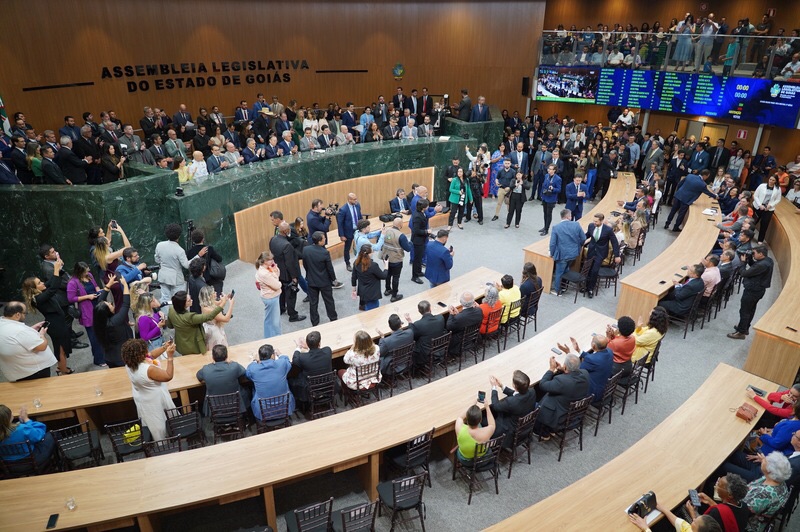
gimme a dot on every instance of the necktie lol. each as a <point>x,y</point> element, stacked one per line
<point>353,215</point>
<point>219,159</point>
<point>424,105</point>
<point>597,234</point>
<point>402,205</point>
<point>159,149</point>
<point>696,156</point>
<point>716,157</point>
<point>114,136</point>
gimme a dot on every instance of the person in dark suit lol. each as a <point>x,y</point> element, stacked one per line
<point>399,99</point>
<point>519,159</point>
<point>518,402</point>
<point>7,176</point>
<point>597,361</point>
<point>686,194</point>
<point>699,159</point>
<point>308,361</point>
<point>560,385</point>
<point>347,218</point>
<point>438,259</point>
<point>480,113</point>
<point>181,118</point>
<point>349,118</point>
<point>271,150</point>
<point>679,302</point>
<point>216,162</point>
<point>231,135</point>
<point>426,103</point>
<point>399,337</point>
<point>19,160</point>
<point>86,146</point>
<point>148,123</point>
<point>464,108</point>
<point>606,170</point>
<point>243,114</point>
<point>52,173</point>
<point>459,320</point>
<point>157,148</point>
<point>425,329</point>
<point>201,142</point>
<point>399,203</point>
<point>72,166</point>
<point>392,131</point>
<point>251,153</point>
<point>282,125</point>
<point>317,219</point>
<point>599,236</point>
<point>419,238</point>
<point>326,140</point>
<point>289,265</point>
<point>320,276</point>
<point>538,165</point>
<point>286,144</point>
<point>261,127</point>
<point>576,194</point>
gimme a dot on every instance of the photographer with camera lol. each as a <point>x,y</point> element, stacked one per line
<point>756,272</point>
<point>289,266</point>
<point>318,219</point>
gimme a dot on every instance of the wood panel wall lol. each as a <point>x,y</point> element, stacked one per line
<point>254,229</point>
<point>444,45</point>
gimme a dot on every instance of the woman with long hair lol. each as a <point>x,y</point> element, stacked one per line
<point>106,260</point>
<point>214,329</point>
<point>363,352</point>
<point>150,321</point>
<point>185,173</point>
<point>189,336</point>
<point>648,335</point>
<point>110,323</point>
<point>26,430</point>
<point>531,283</point>
<point>40,296</point>
<point>490,187</point>
<point>460,197</point>
<point>736,164</point>
<point>269,286</point>
<point>366,278</point>
<point>112,164</point>
<point>149,383</point>
<point>33,158</point>
<point>373,134</point>
<point>82,290</point>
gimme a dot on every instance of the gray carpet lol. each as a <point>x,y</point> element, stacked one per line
<point>684,366</point>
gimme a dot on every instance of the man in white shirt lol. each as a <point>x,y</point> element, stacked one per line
<point>626,117</point>
<point>24,353</point>
<point>791,68</point>
<point>615,58</point>
<point>409,132</point>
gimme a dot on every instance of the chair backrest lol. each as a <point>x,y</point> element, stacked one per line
<point>224,408</point>
<point>696,304</point>
<point>320,387</point>
<point>125,439</point>
<point>651,360</point>
<point>577,409</point>
<point>493,319</point>
<point>401,357</point>
<point>486,453</point>
<point>636,374</point>
<point>17,467</point>
<point>74,438</point>
<point>587,265</point>
<point>439,345</point>
<point>514,308</point>
<point>407,491</point>
<point>315,517</point>
<point>611,386</point>
<point>524,426</point>
<point>183,420</point>
<point>165,446</point>
<point>275,407</point>
<point>533,301</point>
<point>361,517</point>
<point>419,447</point>
<point>366,373</point>
<point>470,337</point>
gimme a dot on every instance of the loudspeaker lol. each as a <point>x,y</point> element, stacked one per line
<point>526,87</point>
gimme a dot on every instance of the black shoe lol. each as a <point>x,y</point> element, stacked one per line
<point>337,284</point>
<point>79,345</point>
<point>361,307</point>
<point>297,317</point>
<point>590,294</point>
<point>416,280</point>
<point>494,218</point>
<point>75,335</point>
<point>305,300</point>
<point>466,220</point>
<point>387,292</point>
<point>676,230</point>
<point>666,226</point>
<point>543,233</point>
<point>398,297</point>
<point>349,268</point>
<point>480,222</point>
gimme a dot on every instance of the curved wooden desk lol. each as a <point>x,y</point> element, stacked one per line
<point>251,467</point>
<point>642,290</point>
<point>673,457</point>
<point>775,351</point>
<point>539,252</point>
<point>74,395</point>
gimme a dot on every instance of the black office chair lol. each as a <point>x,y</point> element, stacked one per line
<point>126,439</point>
<point>358,518</point>
<point>485,461</point>
<point>165,446</point>
<point>402,495</point>
<point>77,443</point>
<point>274,413</point>
<point>401,362</point>
<point>573,424</point>
<point>316,517</point>
<point>523,437</point>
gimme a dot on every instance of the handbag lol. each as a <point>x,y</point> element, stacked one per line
<point>133,435</point>
<point>643,505</point>
<point>216,270</point>
<point>74,311</point>
<point>747,412</point>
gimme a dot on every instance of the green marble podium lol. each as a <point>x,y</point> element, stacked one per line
<point>489,132</point>
<point>146,202</point>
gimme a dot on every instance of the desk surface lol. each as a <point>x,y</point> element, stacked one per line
<point>669,460</point>
<point>148,486</point>
<point>621,188</point>
<point>71,392</point>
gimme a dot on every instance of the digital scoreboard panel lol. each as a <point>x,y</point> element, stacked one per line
<point>747,99</point>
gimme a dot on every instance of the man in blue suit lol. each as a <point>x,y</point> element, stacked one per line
<point>519,159</point>
<point>480,112</point>
<point>597,361</point>
<point>347,220</point>
<point>216,163</point>
<point>349,118</point>
<point>576,194</point>
<point>231,135</point>
<point>687,193</point>
<point>439,259</point>
<point>260,103</point>
<point>243,115</point>
<point>541,159</point>
<point>399,203</point>
<point>287,145</point>
<point>679,302</point>
<point>566,243</point>
<point>699,160</point>
<point>599,236</point>
<point>551,187</point>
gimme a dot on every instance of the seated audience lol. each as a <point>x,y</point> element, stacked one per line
<point>425,329</point>
<point>310,360</point>
<point>398,337</point>
<point>622,343</point>
<point>560,385</point>
<point>730,512</point>
<point>491,303</point>
<point>222,377</point>
<point>26,430</point>
<point>531,283</point>
<point>470,433</point>
<point>468,316</point>
<point>679,302</point>
<point>517,403</point>
<point>269,375</point>
<point>647,336</point>
<point>703,523</point>
<point>785,401</point>
<point>363,352</point>
<point>598,361</point>
<point>508,294</point>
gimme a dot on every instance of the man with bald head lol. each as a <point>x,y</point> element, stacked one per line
<point>289,265</point>
<point>561,385</point>
<point>347,220</point>
<point>461,319</point>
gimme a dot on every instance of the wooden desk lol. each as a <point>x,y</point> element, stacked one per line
<point>539,252</point>
<point>73,396</point>
<point>642,290</point>
<point>677,455</point>
<point>336,247</point>
<point>251,467</point>
<point>775,351</point>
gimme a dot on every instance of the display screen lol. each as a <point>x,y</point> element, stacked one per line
<point>567,84</point>
<point>746,99</point>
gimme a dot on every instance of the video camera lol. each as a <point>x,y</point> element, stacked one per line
<point>332,209</point>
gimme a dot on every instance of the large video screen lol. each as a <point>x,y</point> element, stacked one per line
<point>750,100</point>
<point>567,84</point>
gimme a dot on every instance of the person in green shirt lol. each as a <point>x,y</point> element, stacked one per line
<point>189,336</point>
